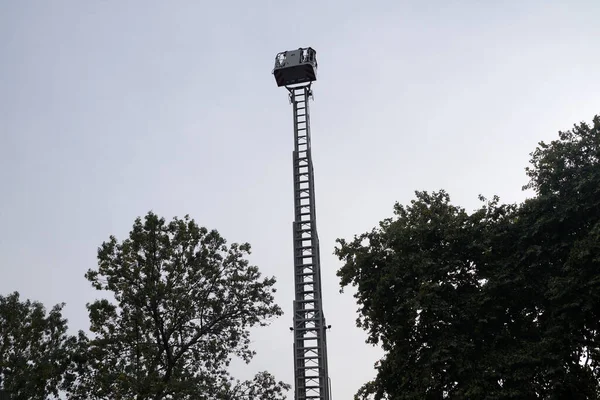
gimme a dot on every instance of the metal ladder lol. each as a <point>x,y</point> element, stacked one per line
<point>310,344</point>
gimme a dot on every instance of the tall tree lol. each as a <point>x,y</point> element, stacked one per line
<point>35,349</point>
<point>561,230</point>
<point>183,302</point>
<point>500,303</point>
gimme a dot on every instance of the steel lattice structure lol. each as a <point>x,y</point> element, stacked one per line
<point>296,70</point>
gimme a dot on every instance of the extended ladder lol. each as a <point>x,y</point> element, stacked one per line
<point>310,344</point>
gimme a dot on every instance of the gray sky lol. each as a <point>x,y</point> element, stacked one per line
<point>109,109</point>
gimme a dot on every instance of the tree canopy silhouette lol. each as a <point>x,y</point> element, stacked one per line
<point>179,306</point>
<point>182,304</point>
<point>500,303</point>
<point>35,349</point>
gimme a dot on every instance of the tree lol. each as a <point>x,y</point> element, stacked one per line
<point>35,349</point>
<point>262,387</point>
<point>562,224</point>
<point>183,305</point>
<point>503,302</point>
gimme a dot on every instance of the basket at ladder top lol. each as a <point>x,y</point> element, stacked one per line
<point>295,66</point>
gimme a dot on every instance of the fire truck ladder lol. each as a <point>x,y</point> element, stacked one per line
<point>310,344</point>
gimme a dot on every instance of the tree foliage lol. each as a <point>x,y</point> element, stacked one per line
<point>500,303</point>
<point>35,349</point>
<point>262,387</point>
<point>179,306</point>
<point>183,302</point>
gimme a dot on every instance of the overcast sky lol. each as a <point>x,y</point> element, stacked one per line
<point>109,109</point>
